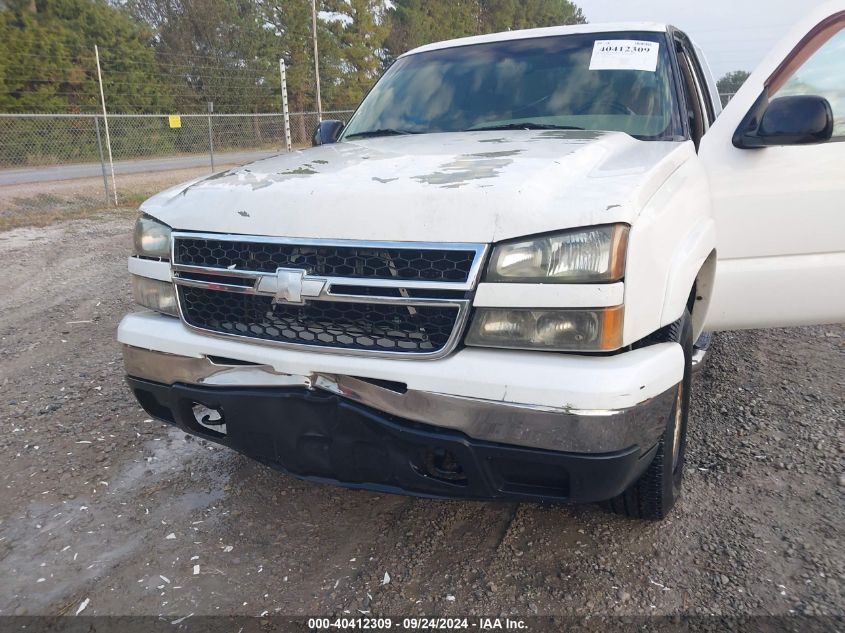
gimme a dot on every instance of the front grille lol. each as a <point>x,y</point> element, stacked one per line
<point>392,298</point>
<point>351,326</point>
<point>411,264</point>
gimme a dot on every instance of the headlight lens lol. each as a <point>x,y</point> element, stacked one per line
<point>594,255</point>
<point>551,330</point>
<point>155,295</point>
<point>152,238</point>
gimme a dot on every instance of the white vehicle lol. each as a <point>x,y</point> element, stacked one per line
<point>489,284</point>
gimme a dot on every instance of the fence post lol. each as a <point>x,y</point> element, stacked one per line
<point>316,60</point>
<point>285,113</point>
<point>102,159</point>
<point>106,122</point>
<point>211,135</point>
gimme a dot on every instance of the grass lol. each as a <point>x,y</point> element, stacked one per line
<point>39,205</point>
<point>45,217</point>
<point>36,208</point>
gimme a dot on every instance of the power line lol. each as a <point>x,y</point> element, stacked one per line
<point>105,61</point>
<point>220,73</point>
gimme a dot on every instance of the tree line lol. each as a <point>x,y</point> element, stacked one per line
<point>160,56</point>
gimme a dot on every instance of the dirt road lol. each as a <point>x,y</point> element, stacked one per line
<point>53,173</point>
<point>105,508</point>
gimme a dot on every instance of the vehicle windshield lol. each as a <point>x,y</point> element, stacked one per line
<point>592,81</point>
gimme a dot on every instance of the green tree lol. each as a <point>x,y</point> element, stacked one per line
<point>47,58</point>
<point>289,22</point>
<point>508,15</point>
<point>731,82</point>
<point>360,30</point>
<point>417,22</point>
<point>212,51</point>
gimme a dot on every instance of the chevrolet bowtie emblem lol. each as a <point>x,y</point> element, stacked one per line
<point>290,285</point>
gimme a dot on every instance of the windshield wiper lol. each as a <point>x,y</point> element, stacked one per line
<point>381,132</point>
<point>523,126</point>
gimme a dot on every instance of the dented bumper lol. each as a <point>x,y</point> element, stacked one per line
<point>520,424</point>
<point>320,436</point>
<point>481,424</point>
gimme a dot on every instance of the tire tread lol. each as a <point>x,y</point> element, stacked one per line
<point>647,497</point>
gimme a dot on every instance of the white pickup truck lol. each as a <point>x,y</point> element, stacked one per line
<point>490,283</point>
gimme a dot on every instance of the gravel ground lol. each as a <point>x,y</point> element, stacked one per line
<point>106,508</point>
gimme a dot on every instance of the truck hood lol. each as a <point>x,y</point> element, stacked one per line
<point>451,187</point>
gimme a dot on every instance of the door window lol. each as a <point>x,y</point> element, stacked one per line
<point>823,75</point>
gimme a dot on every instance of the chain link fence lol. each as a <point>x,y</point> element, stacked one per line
<point>56,166</point>
<point>34,140</point>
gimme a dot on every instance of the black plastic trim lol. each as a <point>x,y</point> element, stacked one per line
<point>319,436</point>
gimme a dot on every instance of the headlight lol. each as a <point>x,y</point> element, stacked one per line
<point>551,330</point>
<point>594,255</point>
<point>152,238</point>
<point>155,295</point>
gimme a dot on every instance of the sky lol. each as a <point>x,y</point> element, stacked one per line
<point>734,34</point>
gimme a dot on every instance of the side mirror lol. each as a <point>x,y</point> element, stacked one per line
<point>327,132</point>
<point>798,120</point>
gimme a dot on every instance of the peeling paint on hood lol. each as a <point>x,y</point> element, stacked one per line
<point>461,187</point>
<point>469,167</point>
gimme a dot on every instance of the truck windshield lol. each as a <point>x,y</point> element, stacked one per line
<point>593,81</point>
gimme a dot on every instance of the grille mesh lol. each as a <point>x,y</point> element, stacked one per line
<point>332,261</point>
<point>335,324</point>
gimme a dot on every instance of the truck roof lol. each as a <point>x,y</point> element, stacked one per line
<point>604,27</point>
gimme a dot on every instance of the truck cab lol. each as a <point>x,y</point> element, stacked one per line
<point>491,282</point>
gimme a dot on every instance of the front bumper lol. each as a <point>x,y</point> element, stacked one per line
<point>320,436</point>
<point>514,424</point>
<point>559,402</point>
<point>535,426</point>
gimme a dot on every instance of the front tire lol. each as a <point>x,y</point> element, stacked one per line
<point>657,490</point>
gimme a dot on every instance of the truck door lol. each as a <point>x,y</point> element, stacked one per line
<point>776,163</point>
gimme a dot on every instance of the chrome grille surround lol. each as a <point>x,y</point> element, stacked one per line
<point>364,292</point>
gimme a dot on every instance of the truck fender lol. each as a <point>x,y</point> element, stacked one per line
<point>693,264</point>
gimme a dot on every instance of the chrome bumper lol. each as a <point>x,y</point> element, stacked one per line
<point>556,429</point>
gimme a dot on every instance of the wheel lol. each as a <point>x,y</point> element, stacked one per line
<point>654,494</point>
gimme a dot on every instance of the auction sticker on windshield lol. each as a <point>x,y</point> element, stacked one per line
<point>624,55</point>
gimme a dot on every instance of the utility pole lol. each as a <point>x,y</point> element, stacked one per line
<point>106,122</point>
<point>316,58</point>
